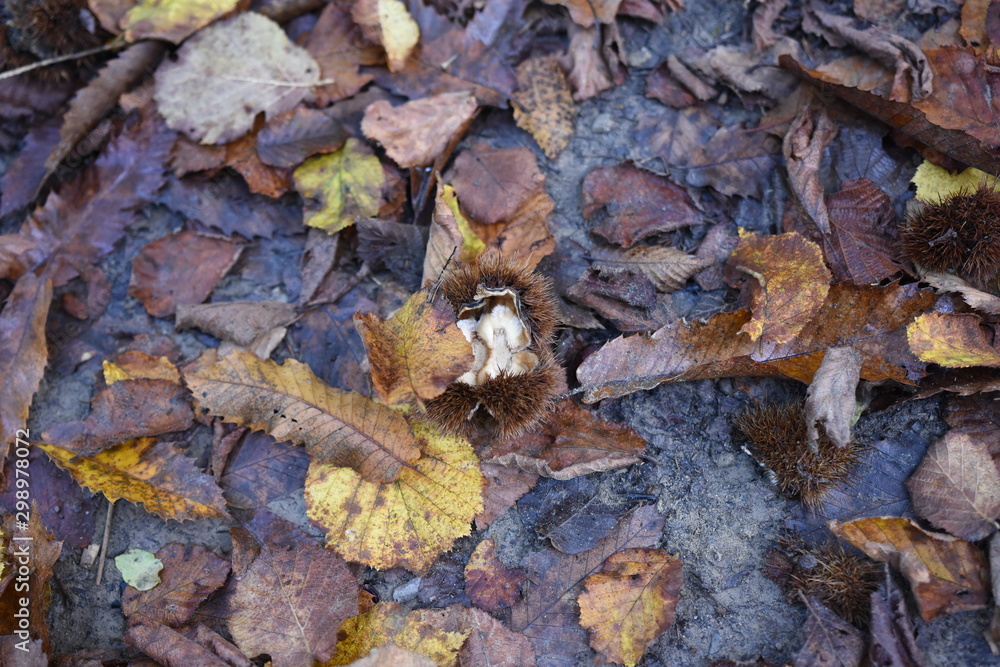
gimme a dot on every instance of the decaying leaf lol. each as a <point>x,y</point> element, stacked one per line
<point>830,400</point>
<point>391,655</point>
<point>829,639</point>
<point>572,442</point>
<point>35,544</point>
<point>667,268</point>
<point>545,104</point>
<point>290,403</point>
<point>492,183</point>
<point>587,13</point>
<point>488,583</point>
<point>389,23</point>
<point>340,47</point>
<point>406,523</point>
<point>811,131</point>
<point>414,134</point>
<point>504,486</point>
<point>951,340</point>
<point>791,284</point>
<point>628,300</point>
<point>196,645</point>
<point>630,603</point>
<point>638,203</point>
<point>345,185</point>
<point>155,474</point>
<point>386,622</point>
<point>136,365</point>
<point>863,238</point>
<point>292,595</point>
<point>228,73</point>
<point>892,638</point>
<point>170,20</point>
<point>190,574</point>
<point>957,487</point>
<point>491,643</point>
<point>946,574</point>
<point>291,137</point>
<point>241,322</point>
<point>417,352</point>
<point>450,236</point>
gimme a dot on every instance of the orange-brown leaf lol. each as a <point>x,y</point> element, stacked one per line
<point>290,403</point>
<point>488,583</point>
<point>957,487</point>
<point>951,340</point>
<point>630,603</point>
<point>416,353</point>
<point>791,283</point>
<point>946,574</point>
<point>43,551</point>
<point>414,134</point>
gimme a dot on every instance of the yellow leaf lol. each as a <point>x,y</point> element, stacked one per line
<point>172,20</point>
<point>472,245</point>
<point>630,603</point>
<point>290,403</point>
<point>418,631</point>
<point>792,282</point>
<point>935,183</point>
<point>417,352</point>
<point>135,365</point>
<point>156,474</point>
<point>951,340</point>
<point>346,185</point>
<point>407,523</point>
<point>388,22</point>
<point>545,104</point>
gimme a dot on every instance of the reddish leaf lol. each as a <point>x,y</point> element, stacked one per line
<point>492,183</point>
<point>287,140</point>
<point>863,235</point>
<point>488,583</point>
<point>829,639</point>
<point>190,574</point>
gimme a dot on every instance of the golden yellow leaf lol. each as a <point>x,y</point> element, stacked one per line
<point>135,365</point>
<point>951,340</point>
<point>472,245</point>
<point>630,603</point>
<point>386,622</point>
<point>407,523</point>
<point>172,20</point>
<point>792,282</point>
<point>416,353</point>
<point>346,185</point>
<point>290,403</point>
<point>545,104</point>
<point>935,183</point>
<point>388,22</point>
<point>155,474</point>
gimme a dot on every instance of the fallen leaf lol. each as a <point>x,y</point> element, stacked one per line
<point>862,243</point>
<point>418,352</point>
<point>734,162</point>
<point>573,441</point>
<point>389,23</point>
<point>946,574</point>
<point>869,319</point>
<point>386,622</point>
<point>414,134</point>
<point>488,583</point>
<point>261,471</point>
<point>391,655</point>
<point>492,183</point>
<point>491,643</point>
<point>829,639</point>
<point>172,21</point>
<point>155,474</point>
<point>240,322</point>
<point>34,543</point>
<point>190,573</point>
<point>993,631</point>
<point>23,354</point>
<point>957,487</point>
<point>526,234</point>
<point>293,596</point>
<point>808,136</point>
<point>547,613</point>
<point>951,340</point>
<point>630,603</point>
<point>407,523</point>
<point>395,247</point>
<point>831,397</point>
<point>230,59</point>
<point>975,298</point>
<point>587,13</point>
<point>139,568</point>
<point>638,203</point>
<point>504,486</point>
<point>290,403</point>
<point>791,283</point>
<point>136,365</point>
<point>545,104</point>
<point>892,639</point>
<point>263,179</point>
<point>289,138</point>
<point>450,235</point>
<point>170,648</point>
<point>341,48</point>
<point>180,269</point>
<point>626,299</point>
<point>588,72</point>
<point>345,185</point>
<point>667,268</point>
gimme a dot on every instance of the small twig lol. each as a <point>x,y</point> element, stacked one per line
<point>113,46</point>
<point>272,82</point>
<point>104,542</point>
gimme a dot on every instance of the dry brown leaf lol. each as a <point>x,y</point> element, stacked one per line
<point>137,365</point>
<point>892,638</point>
<point>862,242</point>
<point>289,596</point>
<point>946,574</point>
<point>544,104</point>
<point>957,487</point>
<point>638,203</point>
<point>289,138</point>
<point>240,322</point>
<point>414,134</point>
<point>190,574</point>
<point>667,268</point>
<point>810,132</point>
<point>525,236</point>
<point>829,639</point>
<point>791,283</point>
<point>493,183</point>
<point>572,442</point>
<point>627,299</point>
<point>197,646</point>
<point>228,73</point>
<point>830,400</point>
<point>488,583</point>
<point>588,72</point>
<point>340,47</point>
<point>869,319</point>
<point>587,12</point>
<point>35,544</point>
<point>491,643</point>
<point>290,403</point>
<point>504,486</point>
<point>418,352</point>
<point>946,282</point>
<point>630,603</point>
<point>952,340</point>
<point>180,269</point>
<point>261,178</point>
